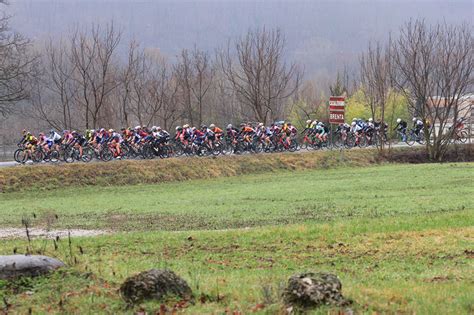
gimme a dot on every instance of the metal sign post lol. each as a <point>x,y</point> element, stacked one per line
<point>336,112</point>
<point>337,106</point>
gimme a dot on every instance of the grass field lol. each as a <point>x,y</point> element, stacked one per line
<point>400,237</point>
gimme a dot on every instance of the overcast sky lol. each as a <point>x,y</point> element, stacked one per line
<point>323,35</point>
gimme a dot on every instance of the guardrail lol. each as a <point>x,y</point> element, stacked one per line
<point>6,151</point>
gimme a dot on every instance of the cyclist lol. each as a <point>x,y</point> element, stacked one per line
<point>401,127</point>
<point>355,128</point>
<point>162,135</point>
<point>67,137</point>
<point>24,137</point>
<point>78,141</point>
<point>209,135</point>
<point>320,131</point>
<point>370,128</point>
<point>115,141</point>
<point>308,129</point>
<point>56,138</point>
<point>417,126</point>
<point>44,141</point>
<point>30,144</point>
<point>217,131</point>
<point>178,134</point>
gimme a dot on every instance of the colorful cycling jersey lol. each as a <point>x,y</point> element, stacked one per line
<point>356,128</point>
<point>418,124</point>
<point>293,130</point>
<point>54,136</point>
<point>248,129</point>
<point>320,129</point>
<point>217,130</point>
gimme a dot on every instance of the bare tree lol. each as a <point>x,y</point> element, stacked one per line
<point>311,103</point>
<point>16,67</point>
<point>434,69</point>
<point>93,57</point>
<point>259,75</point>
<point>53,92</point>
<point>127,75</point>
<point>195,73</point>
<point>375,78</point>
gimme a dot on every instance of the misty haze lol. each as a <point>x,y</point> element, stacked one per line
<point>237,157</point>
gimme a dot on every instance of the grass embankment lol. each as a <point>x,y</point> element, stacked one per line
<point>117,173</point>
<point>400,237</point>
<point>253,200</point>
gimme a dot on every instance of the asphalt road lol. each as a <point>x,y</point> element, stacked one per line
<point>13,163</point>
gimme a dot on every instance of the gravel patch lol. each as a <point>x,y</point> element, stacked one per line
<point>15,233</point>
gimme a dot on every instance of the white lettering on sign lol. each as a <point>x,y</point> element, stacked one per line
<point>334,116</point>
<point>337,103</point>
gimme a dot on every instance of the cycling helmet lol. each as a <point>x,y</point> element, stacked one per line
<point>178,128</point>
<point>212,126</point>
<point>92,131</point>
<point>353,124</point>
<point>24,131</point>
<point>158,128</point>
<point>371,120</point>
<point>414,119</point>
<point>399,120</point>
<point>203,127</point>
<point>137,127</point>
<point>308,121</point>
<point>111,130</point>
<point>51,131</point>
<point>354,119</point>
<point>229,126</point>
<point>185,126</point>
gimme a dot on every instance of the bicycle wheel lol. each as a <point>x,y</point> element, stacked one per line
<point>106,154</point>
<point>86,157</point>
<point>37,156</point>
<point>125,152</point>
<point>362,141</point>
<point>22,156</point>
<point>69,155</point>
<point>217,149</point>
<point>463,136</point>
<point>53,156</point>
<point>18,155</point>
<point>163,152</point>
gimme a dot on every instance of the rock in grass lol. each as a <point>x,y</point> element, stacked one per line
<point>15,266</point>
<point>310,290</point>
<point>154,284</point>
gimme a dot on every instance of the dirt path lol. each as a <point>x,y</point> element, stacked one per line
<point>16,233</point>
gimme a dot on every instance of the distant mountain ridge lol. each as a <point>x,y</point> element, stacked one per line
<point>321,35</point>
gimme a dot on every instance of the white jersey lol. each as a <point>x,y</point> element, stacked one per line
<point>55,137</point>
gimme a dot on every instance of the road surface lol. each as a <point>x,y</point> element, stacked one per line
<point>13,163</point>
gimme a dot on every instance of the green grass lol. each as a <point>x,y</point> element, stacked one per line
<point>400,237</point>
<point>254,200</point>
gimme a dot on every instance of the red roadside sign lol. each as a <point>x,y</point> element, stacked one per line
<point>336,109</point>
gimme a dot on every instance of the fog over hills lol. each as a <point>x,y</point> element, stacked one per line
<point>321,35</point>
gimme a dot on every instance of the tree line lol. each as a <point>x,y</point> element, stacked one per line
<point>81,81</point>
